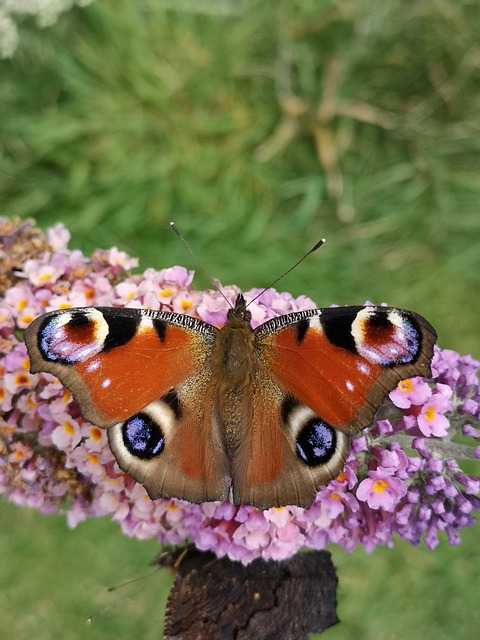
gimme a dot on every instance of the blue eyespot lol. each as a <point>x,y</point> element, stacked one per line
<point>316,442</point>
<point>143,437</point>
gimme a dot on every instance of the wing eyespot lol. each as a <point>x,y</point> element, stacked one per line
<point>316,443</point>
<point>143,436</point>
<point>67,337</point>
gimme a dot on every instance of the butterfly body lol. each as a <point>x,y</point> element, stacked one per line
<point>261,416</point>
<point>234,367</point>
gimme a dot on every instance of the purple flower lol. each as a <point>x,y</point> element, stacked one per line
<point>413,391</point>
<point>432,420</point>
<point>402,476</point>
<point>381,490</point>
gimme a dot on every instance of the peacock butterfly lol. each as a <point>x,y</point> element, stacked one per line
<point>263,417</point>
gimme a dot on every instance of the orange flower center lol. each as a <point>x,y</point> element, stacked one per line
<point>69,430</point>
<point>405,386</point>
<point>95,434</point>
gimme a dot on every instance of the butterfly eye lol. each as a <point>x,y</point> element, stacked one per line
<point>316,443</point>
<point>142,436</point>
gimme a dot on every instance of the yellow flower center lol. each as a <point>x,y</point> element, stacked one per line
<point>186,305</point>
<point>335,496</point>
<point>379,486</point>
<point>429,414</point>
<point>166,293</point>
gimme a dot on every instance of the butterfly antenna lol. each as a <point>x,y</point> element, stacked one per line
<point>312,250</point>
<point>97,614</point>
<point>176,231</point>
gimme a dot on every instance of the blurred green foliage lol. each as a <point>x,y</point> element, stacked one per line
<point>258,130</point>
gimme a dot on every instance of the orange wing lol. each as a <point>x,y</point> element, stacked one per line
<point>117,361</point>
<point>320,376</point>
<point>342,362</point>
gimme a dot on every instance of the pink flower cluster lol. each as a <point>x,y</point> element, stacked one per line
<point>402,475</point>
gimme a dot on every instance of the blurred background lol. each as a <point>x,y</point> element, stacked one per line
<point>259,127</point>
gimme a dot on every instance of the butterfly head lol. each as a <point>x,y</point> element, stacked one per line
<point>239,314</point>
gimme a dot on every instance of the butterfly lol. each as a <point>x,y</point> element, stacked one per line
<point>259,416</point>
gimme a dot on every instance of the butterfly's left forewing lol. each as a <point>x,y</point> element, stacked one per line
<point>342,362</point>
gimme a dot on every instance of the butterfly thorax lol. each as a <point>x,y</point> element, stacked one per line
<point>234,366</point>
<point>235,341</point>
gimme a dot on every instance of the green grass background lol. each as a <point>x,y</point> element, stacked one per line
<point>127,114</point>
